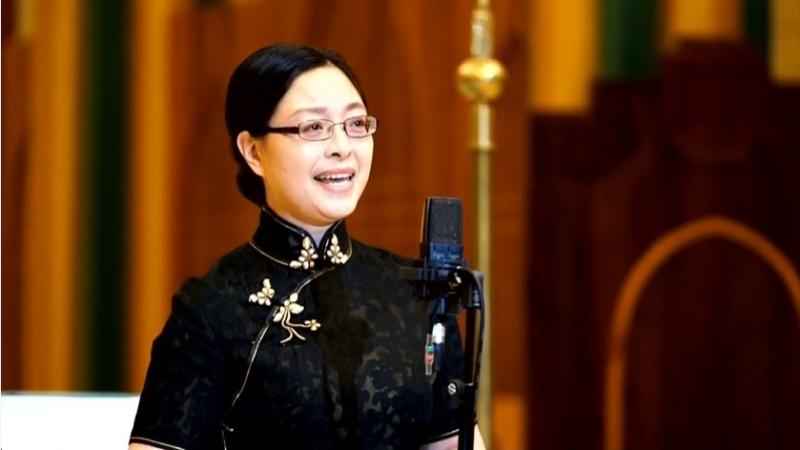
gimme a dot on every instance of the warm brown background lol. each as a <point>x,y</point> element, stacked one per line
<point>589,171</point>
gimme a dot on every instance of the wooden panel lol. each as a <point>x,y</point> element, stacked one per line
<point>702,19</point>
<point>563,38</point>
<point>709,383</point>
<point>50,346</point>
<point>149,210</point>
<point>15,145</point>
<point>715,338</point>
<point>785,41</point>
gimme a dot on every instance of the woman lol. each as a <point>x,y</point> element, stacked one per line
<point>303,338</point>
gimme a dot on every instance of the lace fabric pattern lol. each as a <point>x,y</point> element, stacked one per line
<point>356,381</point>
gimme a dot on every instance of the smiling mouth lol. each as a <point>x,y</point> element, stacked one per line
<point>333,179</point>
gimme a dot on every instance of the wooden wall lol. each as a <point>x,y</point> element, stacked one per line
<point>712,347</point>
<point>14,162</point>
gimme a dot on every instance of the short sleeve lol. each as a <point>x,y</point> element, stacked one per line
<point>445,407</point>
<point>181,402</point>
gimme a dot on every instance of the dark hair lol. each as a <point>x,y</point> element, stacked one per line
<point>257,86</point>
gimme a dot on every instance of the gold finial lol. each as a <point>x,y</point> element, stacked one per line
<point>481,79</point>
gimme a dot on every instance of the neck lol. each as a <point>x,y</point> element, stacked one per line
<point>316,231</point>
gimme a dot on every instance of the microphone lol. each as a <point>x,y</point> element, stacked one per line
<point>441,252</point>
<point>441,241</point>
<point>437,280</point>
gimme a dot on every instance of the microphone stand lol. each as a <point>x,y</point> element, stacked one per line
<point>472,359</point>
<point>470,296</point>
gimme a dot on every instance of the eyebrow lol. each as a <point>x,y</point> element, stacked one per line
<point>323,110</point>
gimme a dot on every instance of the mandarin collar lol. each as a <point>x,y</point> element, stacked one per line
<point>292,246</point>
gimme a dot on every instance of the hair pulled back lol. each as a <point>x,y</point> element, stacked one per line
<point>256,87</point>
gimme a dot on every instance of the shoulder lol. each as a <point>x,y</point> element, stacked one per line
<point>379,256</point>
<point>227,278</point>
<point>218,300</point>
<point>379,269</point>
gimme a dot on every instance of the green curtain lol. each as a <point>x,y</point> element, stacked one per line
<point>105,147</point>
<point>628,38</point>
<point>755,15</point>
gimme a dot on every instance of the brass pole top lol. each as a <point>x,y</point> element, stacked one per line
<point>481,79</point>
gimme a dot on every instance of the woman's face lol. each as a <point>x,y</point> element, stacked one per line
<point>314,184</point>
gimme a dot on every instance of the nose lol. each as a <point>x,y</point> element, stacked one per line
<point>339,145</point>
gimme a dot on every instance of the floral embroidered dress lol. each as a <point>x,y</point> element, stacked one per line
<point>289,345</point>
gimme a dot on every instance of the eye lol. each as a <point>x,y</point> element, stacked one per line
<point>356,126</point>
<point>312,126</point>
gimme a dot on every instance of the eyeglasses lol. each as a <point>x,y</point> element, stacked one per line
<point>322,129</point>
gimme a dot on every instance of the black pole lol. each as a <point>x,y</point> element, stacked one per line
<point>468,388</point>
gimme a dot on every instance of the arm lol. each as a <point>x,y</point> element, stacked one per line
<point>451,443</point>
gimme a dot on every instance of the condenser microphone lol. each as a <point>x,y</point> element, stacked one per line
<point>441,243</point>
<point>441,252</point>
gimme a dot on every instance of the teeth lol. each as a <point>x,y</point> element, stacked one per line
<point>334,178</point>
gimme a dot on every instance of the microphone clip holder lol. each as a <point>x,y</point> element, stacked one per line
<point>438,282</point>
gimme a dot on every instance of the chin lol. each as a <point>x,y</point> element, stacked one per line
<point>338,210</point>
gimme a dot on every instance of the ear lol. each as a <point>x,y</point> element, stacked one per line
<point>249,149</point>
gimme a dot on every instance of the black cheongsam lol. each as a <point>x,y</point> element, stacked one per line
<point>288,345</point>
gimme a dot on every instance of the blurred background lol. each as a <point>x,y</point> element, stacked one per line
<point>645,195</point>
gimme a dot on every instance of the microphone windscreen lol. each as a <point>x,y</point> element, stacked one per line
<point>442,221</point>
<point>441,242</point>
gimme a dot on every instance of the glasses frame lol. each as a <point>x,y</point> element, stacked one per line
<point>296,129</point>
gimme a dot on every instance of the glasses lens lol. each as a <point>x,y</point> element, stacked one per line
<point>315,130</point>
<point>360,126</point>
